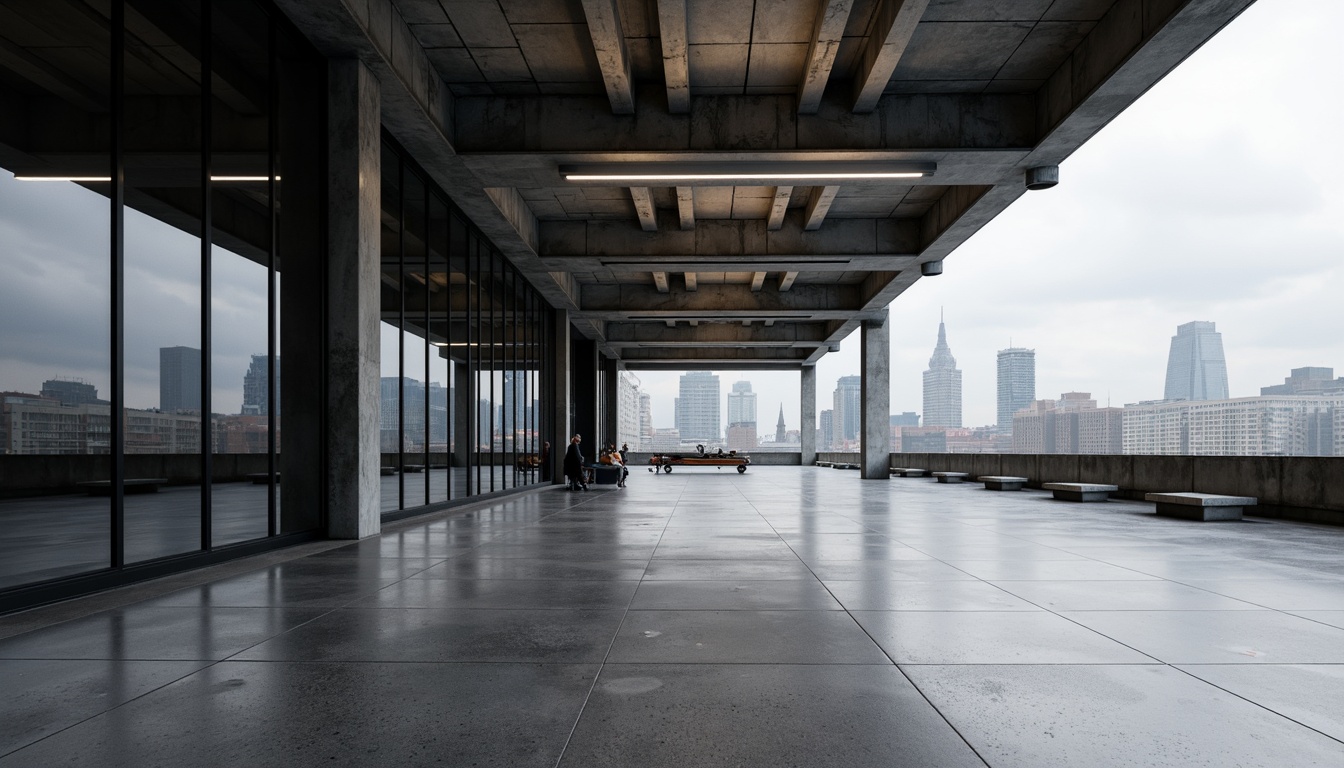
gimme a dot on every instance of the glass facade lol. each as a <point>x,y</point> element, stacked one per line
<point>462,356</point>
<point>158,171</point>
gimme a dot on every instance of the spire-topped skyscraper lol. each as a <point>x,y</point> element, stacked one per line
<point>779,425</point>
<point>942,385</point>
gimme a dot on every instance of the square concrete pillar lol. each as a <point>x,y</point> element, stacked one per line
<point>583,370</point>
<point>353,289</point>
<point>807,418</point>
<point>875,440</point>
<point>461,425</point>
<point>611,401</point>
<point>561,398</point>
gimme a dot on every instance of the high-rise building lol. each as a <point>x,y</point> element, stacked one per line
<point>1279,425</point>
<point>848,403</point>
<point>1017,383</point>
<point>942,386</point>
<point>1196,368</point>
<point>256,387</point>
<point>698,407</point>
<point>629,412</point>
<point>396,434</point>
<point>741,404</point>
<point>1301,381</point>
<point>1072,424</point>
<point>780,434</point>
<point>905,419</point>
<point>179,379</point>
<point>826,432</point>
<point>645,421</point>
<point>74,392</point>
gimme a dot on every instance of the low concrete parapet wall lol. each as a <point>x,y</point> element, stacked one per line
<point>1306,488</point>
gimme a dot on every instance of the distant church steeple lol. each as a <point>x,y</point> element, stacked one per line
<point>779,426</point>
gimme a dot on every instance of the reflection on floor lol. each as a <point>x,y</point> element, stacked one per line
<point>52,536</point>
<point>783,617</point>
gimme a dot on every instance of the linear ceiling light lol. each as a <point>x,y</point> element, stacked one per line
<point>109,178</point>
<point>768,171</point>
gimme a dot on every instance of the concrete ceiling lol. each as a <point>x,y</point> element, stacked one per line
<point>492,96</point>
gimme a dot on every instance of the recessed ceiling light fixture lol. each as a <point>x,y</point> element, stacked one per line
<point>774,171</point>
<point>109,178</point>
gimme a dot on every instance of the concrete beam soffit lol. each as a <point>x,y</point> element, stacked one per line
<point>892,27</point>
<point>828,29</point>
<point>676,54</point>
<point>686,207</point>
<point>642,197</point>
<point>604,26</point>
<point>818,206</point>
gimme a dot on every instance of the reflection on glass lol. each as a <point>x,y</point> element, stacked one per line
<point>163,228</point>
<point>55,378</point>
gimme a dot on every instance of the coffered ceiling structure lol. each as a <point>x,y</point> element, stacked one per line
<point>497,97</point>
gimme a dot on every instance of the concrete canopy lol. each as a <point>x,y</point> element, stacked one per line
<point>494,96</point>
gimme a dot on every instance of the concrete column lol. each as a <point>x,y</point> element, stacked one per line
<point>561,397</point>
<point>583,389</point>
<point>611,401</point>
<point>354,201</point>
<point>875,442</point>
<point>807,418</point>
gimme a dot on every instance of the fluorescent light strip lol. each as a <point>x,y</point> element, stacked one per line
<point>739,176</point>
<point>768,171</point>
<point>109,178</point>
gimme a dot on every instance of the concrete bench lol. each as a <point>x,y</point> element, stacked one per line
<point>1080,491</point>
<point>844,466</point>
<point>261,478</point>
<point>951,477</point>
<point>824,464</point>
<point>389,470</point>
<point>911,472</point>
<point>1203,507</point>
<point>412,467</point>
<point>605,474</point>
<point>129,485</point>
<point>1002,482</point>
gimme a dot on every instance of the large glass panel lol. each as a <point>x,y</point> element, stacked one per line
<point>439,291</point>
<point>414,394</point>
<point>165,197</point>
<point>459,397</point>
<point>241,231</point>
<point>390,433</point>
<point>55,298</point>
<point>479,426</point>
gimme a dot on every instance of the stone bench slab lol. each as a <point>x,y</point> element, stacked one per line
<point>912,472</point>
<point>1002,482</point>
<point>951,477</point>
<point>1080,491</point>
<point>1203,507</point>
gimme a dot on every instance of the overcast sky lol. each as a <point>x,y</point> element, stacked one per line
<point>1215,197</point>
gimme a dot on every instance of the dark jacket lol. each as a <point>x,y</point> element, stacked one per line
<point>573,461</point>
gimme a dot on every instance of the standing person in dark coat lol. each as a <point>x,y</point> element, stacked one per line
<point>574,464</point>
<point>546,461</point>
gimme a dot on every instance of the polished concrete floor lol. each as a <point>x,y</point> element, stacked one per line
<point>786,617</point>
<point>48,537</point>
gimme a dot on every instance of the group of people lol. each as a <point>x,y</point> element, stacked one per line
<point>578,476</point>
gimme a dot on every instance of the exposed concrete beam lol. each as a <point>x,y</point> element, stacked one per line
<point>686,206</point>
<point>818,206</point>
<point>604,25</point>
<point>643,200</point>
<point>720,357</point>
<point>732,334</point>
<point>893,25</point>
<point>757,281</point>
<point>769,323</point>
<point>745,244</point>
<point>676,54</point>
<point>827,31</point>
<point>660,281</point>
<point>786,280</point>
<point>690,281</point>
<point>719,302</point>
<point>752,126</point>
<point>51,79</point>
<point>778,208</point>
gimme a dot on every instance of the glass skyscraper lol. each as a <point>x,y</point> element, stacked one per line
<point>698,407</point>
<point>1017,383</point>
<point>1196,368</point>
